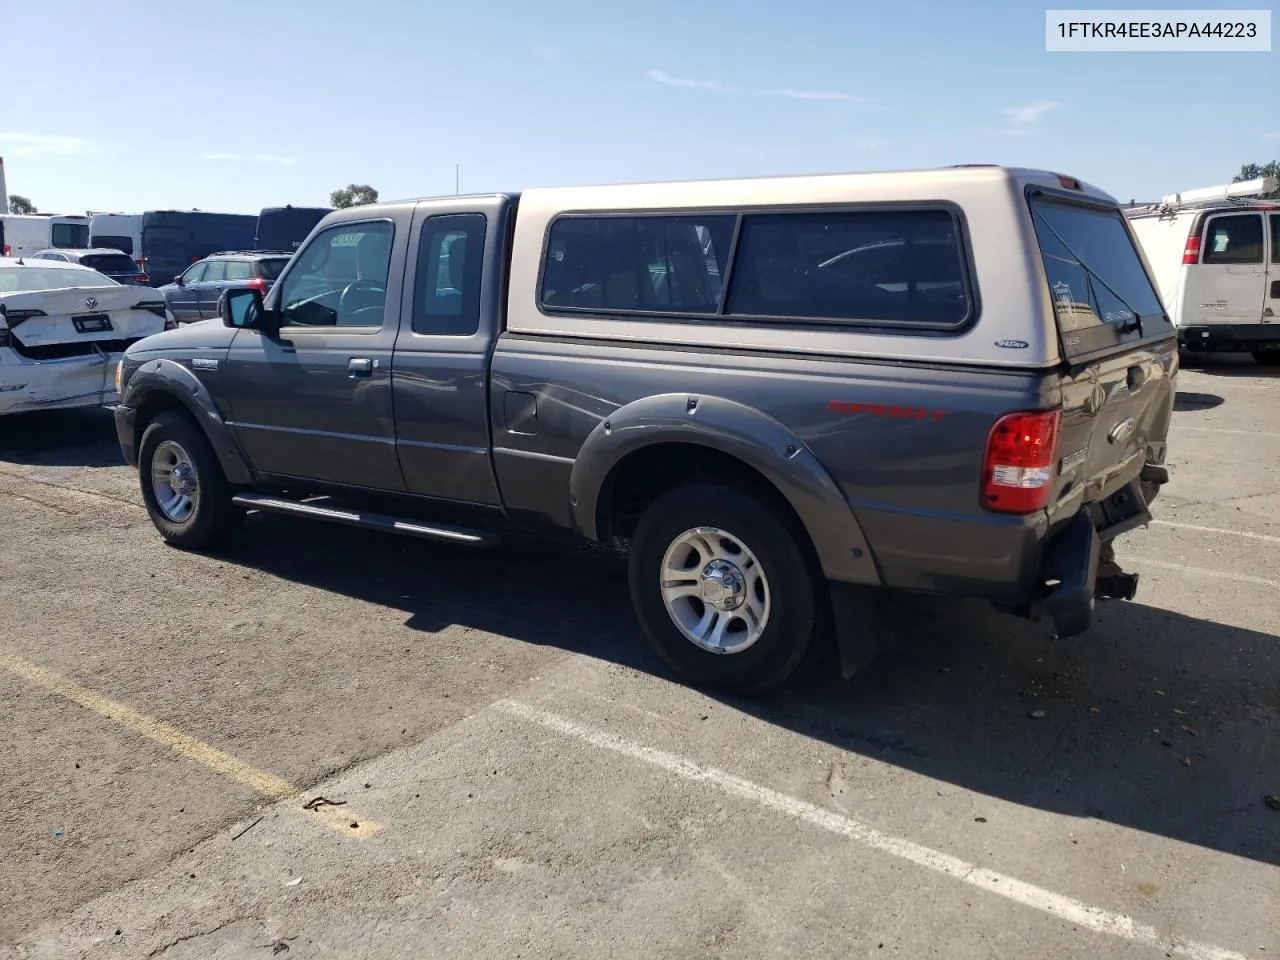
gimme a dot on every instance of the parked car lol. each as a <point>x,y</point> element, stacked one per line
<point>1215,255</point>
<point>970,408</point>
<point>63,328</point>
<point>116,264</point>
<point>194,294</point>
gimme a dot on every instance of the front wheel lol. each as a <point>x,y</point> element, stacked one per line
<point>183,487</point>
<point>1267,358</point>
<point>723,587</point>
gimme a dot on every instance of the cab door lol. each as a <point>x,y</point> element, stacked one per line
<point>313,401</point>
<point>450,318</point>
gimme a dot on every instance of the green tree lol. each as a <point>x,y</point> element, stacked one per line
<point>353,195</point>
<point>21,205</point>
<point>1252,171</point>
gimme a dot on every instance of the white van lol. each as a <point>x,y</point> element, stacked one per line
<point>25,235</point>
<point>117,231</point>
<point>1215,255</point>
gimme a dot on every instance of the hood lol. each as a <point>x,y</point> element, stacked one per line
<point>203,335</point>
<point>76,300</point>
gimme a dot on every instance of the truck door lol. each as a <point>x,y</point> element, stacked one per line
<point>1227,285</point>
<point>1271,310</point>
<point>314,401</point>
<point>449,319</point>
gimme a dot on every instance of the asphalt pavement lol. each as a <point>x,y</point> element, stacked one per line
<point>328,743</point>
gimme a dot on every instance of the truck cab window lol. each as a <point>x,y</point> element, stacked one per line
<point>1236,238</point>
<point>340,278</point>
<point>446,297</point>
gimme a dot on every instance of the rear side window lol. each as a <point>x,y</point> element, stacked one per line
<point>902,267</point>
<point>645,264</point>
<point>1101,292</point>
<point>1236,238</point>
<point>70,236</point>
<point>270,269</point>
<point>217,271</point>
<point>123,244</point>
<point>109,263</point>
<point>446,296</point>
<point>239,270</point>
<point>1275,238</point>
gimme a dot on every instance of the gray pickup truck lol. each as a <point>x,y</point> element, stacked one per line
<point>780,397</point>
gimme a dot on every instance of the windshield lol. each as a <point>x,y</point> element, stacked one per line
<point>1101,292</point>
<point>27,279</point>
<point>271,268</point>
<point>109,263</point>
<point>70,236</point>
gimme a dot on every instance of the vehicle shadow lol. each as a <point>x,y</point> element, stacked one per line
<point>1184,401</point>
<point>1226,365</point>
<point>1154,720</point>
<point>61,438</point>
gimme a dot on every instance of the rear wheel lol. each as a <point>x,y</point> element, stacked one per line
<point>723,588</point>
<point>186,495</point>
<point>1267,358</point>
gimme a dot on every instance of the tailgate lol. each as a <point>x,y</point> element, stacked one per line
<point>1119,346</point>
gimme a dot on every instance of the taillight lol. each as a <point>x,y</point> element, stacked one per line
<point>257,283</point>
<point>1191,252</point>
<point>141,265</point>
<point>1017,473</point>
<point>142,278</point>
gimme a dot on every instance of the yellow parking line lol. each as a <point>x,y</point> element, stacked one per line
<point>266,784</point>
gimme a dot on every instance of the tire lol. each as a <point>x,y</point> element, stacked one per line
<point>1267,358</point>
<point>173,440</point>
<point>789,612</point>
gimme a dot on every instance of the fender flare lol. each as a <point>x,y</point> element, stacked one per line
<point>742,432</point>
<point>160,375</point>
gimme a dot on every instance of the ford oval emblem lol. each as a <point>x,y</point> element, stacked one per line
<point>1013,344</point>
<point>1123,430</point>
<point>91,303</point>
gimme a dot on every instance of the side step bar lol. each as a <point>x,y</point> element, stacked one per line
<point>370,521</point>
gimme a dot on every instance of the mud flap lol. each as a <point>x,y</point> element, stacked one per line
<point>1070,563</point>
<point>859,625</point>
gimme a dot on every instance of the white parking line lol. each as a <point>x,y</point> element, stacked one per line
<point>1055,904</point>
<point>1142,561</point>
<point>1238,433</point>
<point>1267,538</point>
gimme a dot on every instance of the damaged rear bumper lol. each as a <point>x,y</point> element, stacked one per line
<point>1076,567</point>
<point>85,381</point>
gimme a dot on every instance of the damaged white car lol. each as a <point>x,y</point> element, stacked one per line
<point>62,330</point>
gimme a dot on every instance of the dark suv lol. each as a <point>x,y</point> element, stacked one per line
<point>116,264</point>
<point>194,295</point>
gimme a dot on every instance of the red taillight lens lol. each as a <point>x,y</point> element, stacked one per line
<point>141,278</point>
<point>1018,471</point>
<point>257,283</point>
<point>1191,252</point>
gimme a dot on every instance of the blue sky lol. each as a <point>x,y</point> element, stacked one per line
<point>234,105</point>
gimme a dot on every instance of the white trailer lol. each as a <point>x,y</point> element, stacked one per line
<point>28,234</point>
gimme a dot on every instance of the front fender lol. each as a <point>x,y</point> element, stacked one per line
<point>160,375</point>
<point>742,432</point>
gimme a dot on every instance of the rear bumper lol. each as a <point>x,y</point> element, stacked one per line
<point>1229,337</point>
<point>126,421</point>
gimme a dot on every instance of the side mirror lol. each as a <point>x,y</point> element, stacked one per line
<point>241,309</point>
<point>179,281</point>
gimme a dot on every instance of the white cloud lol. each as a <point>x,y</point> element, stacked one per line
<point>252,158</point>
<point>1030,112</point>
<point>545,51</point>
<point>1271,136</point>
<point>815,94</point>
<point>709,85</point>
<point>44,145</point>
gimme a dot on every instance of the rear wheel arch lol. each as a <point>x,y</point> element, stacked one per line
<point>675,438</point>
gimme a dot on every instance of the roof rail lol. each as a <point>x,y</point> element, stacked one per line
<point>1227,194</point>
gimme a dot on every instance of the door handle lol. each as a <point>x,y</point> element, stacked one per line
<point>359,367</point>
